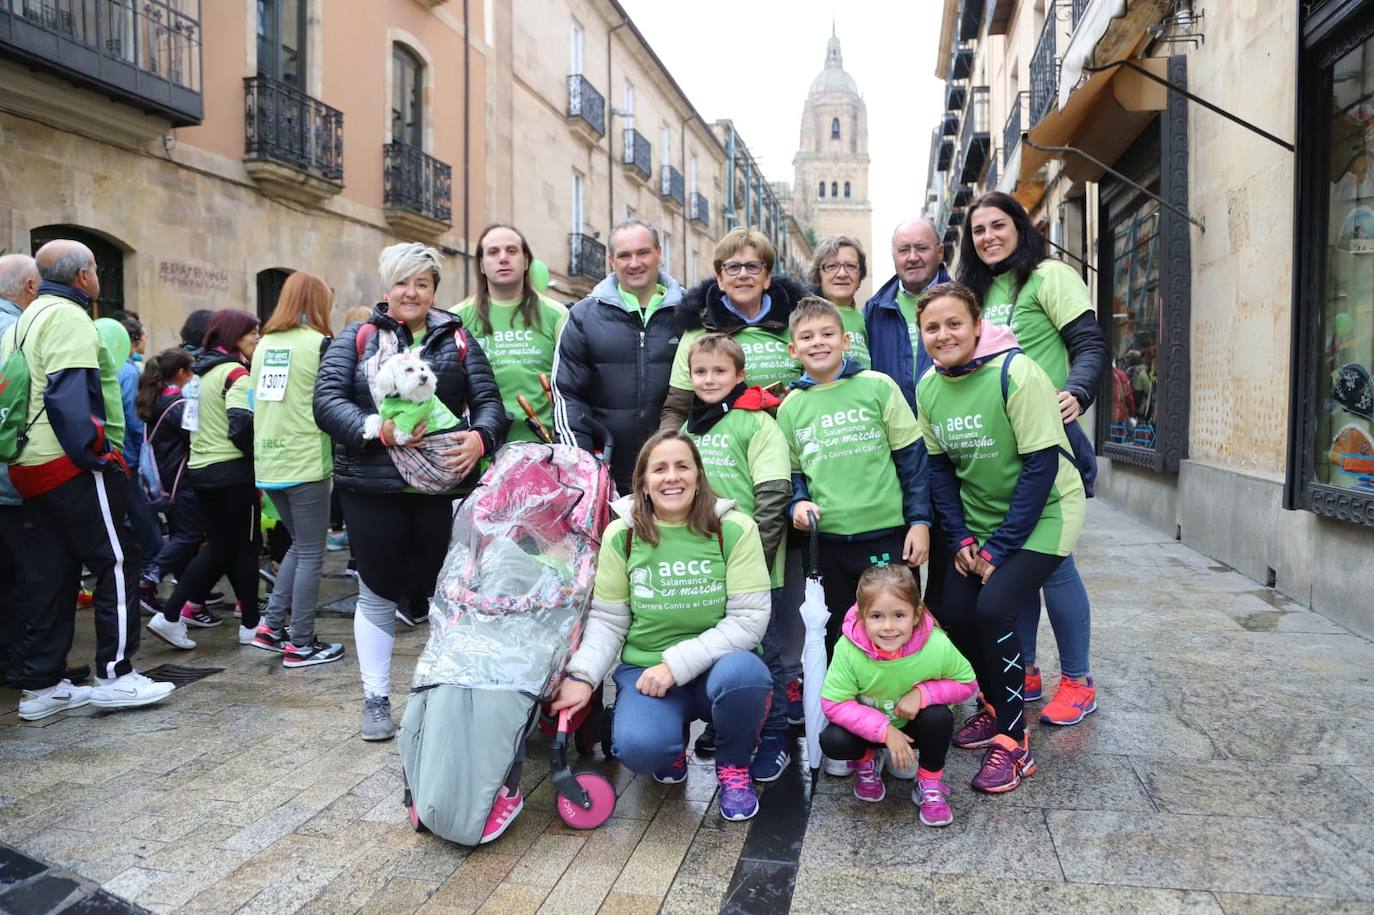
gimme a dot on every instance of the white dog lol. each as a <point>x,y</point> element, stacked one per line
<point>407,385</point>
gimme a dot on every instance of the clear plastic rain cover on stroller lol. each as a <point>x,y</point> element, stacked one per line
<point>515,588</point>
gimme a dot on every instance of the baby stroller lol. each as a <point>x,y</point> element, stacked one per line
<point>508,610</point>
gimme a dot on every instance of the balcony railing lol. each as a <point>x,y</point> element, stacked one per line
<point>586,257</point>
<point>417,183</point>
<point>944,155</point>
<point>283,124</point>
<point>1011,131</point>
<point>949,124</point>
<point>970,19</point>
<point>961,62</point>
<point>671,186</point>
<point>146,53</point>
<point>700,210</point>
<point>1044,69</point>
<point>994,168</point>
<point>973,136</point>
<point>586,105</point>
<point>638,154</point>
<point>955,96</point>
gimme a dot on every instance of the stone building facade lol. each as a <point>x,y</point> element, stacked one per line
<point>207,149</point>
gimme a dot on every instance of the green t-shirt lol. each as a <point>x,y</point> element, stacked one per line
<point>210,442</point>
<point>1052,298</point>
<point>906,304</point>
<point>631,301</point>
<point>59,334</point>
<point>766,362</point>
<point>518,355</point>
<point>880,684</point>
<point>841,435</point>
<point>678,589</point>
<point>742,450</point>
<point>964,417</point>
<point>853,319</point>
<point>288,448</point>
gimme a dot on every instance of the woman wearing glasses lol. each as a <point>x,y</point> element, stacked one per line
<point>837,268</point>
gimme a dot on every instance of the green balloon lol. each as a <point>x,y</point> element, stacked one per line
<point>1344,324</point>
<point>539,275</point>
<point>114,338</point>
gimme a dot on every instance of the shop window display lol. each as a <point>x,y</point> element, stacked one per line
<point>1135,326</point>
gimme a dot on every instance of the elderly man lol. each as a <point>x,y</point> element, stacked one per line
<point>616,350</point>
<point>894,339</point>
<point>76,494</point>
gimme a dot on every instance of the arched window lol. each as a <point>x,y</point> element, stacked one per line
<point>834,128</point>
<point>846,190</point>
<point>270,282</point>
<point>834,189</point>
<point>109,262</point>
<point>820,191</point>
<point>407,108</point>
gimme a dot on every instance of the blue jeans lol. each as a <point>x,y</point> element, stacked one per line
<point>1070,616</point>
<point>772,659</point>
<point>648,733</point>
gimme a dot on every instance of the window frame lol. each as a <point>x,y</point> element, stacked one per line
<point>821,189</point>
<point>272,68</point>
<point>403,59</point>
<point>834,128</point>
<point>846,190</point>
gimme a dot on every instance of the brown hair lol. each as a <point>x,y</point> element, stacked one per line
<point>303,296</point>
<point>811,307</point>
<point>227,328</point>
<point>718,344</point>
<point>743,237</point>
<point>529,298</point>
<point>951,291</point>
<point>357,313</point>
<point>701,517</point>
<point>893,579</point>
<point>829,247</point>
<point>158,371</point>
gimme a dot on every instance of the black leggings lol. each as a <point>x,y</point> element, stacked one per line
<point>931,730</point>
<point>980,620</point>
<point>233,542</point>
<point>841,564</point>
<point>400,540</point>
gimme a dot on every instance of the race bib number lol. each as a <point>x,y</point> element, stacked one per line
<point>276,369</point>
<point>190,411</point>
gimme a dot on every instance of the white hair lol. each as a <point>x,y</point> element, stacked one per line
<point>15,270</point>
<point>398,263</point>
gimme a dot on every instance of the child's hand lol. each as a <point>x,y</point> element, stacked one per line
<point>656,681</point>
<point>910,705</point>
<point>799,519</point>
<point>916,549</point>
<point>899,749</point>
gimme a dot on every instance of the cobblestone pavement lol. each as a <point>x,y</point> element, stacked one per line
<point>1230,769</point>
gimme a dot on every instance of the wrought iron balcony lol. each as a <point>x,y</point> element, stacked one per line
<point>973,136</point>
<point>285,127</point>
<point>586,258</point>
<point>700,210</point>
<point>145,53</point>
<point>417,190</point>
<point>1044,69</point>
<point>955,96</point>
<point>970,19</point>
<point>586,108</point>
<point>637,154</point>
<point>949,124</point>
<point>1011,131</point>
<point>962,195</point>
<point>961,62</point>
<point>945,154</point>
<point>671,186</point>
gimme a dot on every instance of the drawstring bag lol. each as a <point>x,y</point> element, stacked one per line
<point>149,476</point>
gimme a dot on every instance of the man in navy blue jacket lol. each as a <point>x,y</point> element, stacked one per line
<point>894,340</point>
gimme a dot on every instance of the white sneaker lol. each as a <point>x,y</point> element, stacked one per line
<point>40,703</point>
<point>837,767</point>
<point>246,635</point>
<point>896,772</point>
<point>173,634</point>
<point>131,690</point>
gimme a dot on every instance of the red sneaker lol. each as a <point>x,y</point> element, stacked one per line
<point>1072,702</point>
<point>1035,687</point>
<point>503,813</point>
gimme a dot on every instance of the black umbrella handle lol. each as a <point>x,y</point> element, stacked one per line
<point>815,544</point>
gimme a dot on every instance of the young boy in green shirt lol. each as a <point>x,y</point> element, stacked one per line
<point>858,462</point>
<point>746,460</point>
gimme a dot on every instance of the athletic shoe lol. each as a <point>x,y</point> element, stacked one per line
<point>904,774</point>
<point>772,758</point>
<point>930,795</point>
<point>868,778</point>
<point>1005,764</point>
<point>351,570</point>
<point>238,610</point>
<point>85,597</point>
<point>198,616</point>
<point>840,768</point>
<point>796,714</point>
<point>40,703</point>
<point>316,652</point>
<point>214,599</point>
<point>706,743</point>
<point>335,542</point>
<point>977,731</point>
<point>503,813</point>
<point>676,773</point>
<point>268,640</point>
<point>1035,685</point>
<point>129,691</point>
<point>737,798</point>
<point>377,723</point>
<point>78,674</point>
<point>410,618</point>
<point>148,599</point>
<point>246,635</point>
<point>173,634</point>
<point>1073,701</point>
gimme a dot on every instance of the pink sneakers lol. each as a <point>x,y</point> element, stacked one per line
<point>503,813</point>
<point>930,795</point>
<point>868,778</point>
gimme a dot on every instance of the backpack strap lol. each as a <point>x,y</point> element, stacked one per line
<point>1006,367</point>
<point>629,536</point>
<point>158,425</point>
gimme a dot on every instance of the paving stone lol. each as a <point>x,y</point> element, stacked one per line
<point>546,860</point>
<point>959,895</point>
<point>133,881</point>
<point>629,904</point>
<point>826,888</point>
<point>513,899</point>
<point>581,889</point>
<point>401,894</point>
<point>1247,789</point>
<point>474,880</point>
<point>268,829</point>
<point>1246,904</point>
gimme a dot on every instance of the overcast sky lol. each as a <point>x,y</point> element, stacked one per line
<point>754,62</point>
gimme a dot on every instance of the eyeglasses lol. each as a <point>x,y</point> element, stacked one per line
<point>904,250</point>
<point>732,268</point>
<point>837,266</point>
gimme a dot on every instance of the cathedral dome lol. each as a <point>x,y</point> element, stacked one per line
<point>833,78</point>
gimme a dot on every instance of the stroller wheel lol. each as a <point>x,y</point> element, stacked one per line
<point>602,794</point>
<point>412,812</point>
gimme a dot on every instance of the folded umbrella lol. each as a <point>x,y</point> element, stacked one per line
<point>815,615</point>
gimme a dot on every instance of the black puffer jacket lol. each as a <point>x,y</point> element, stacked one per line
<point>171,444</point>
<point>343,400</point>
<point>612,368</point>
